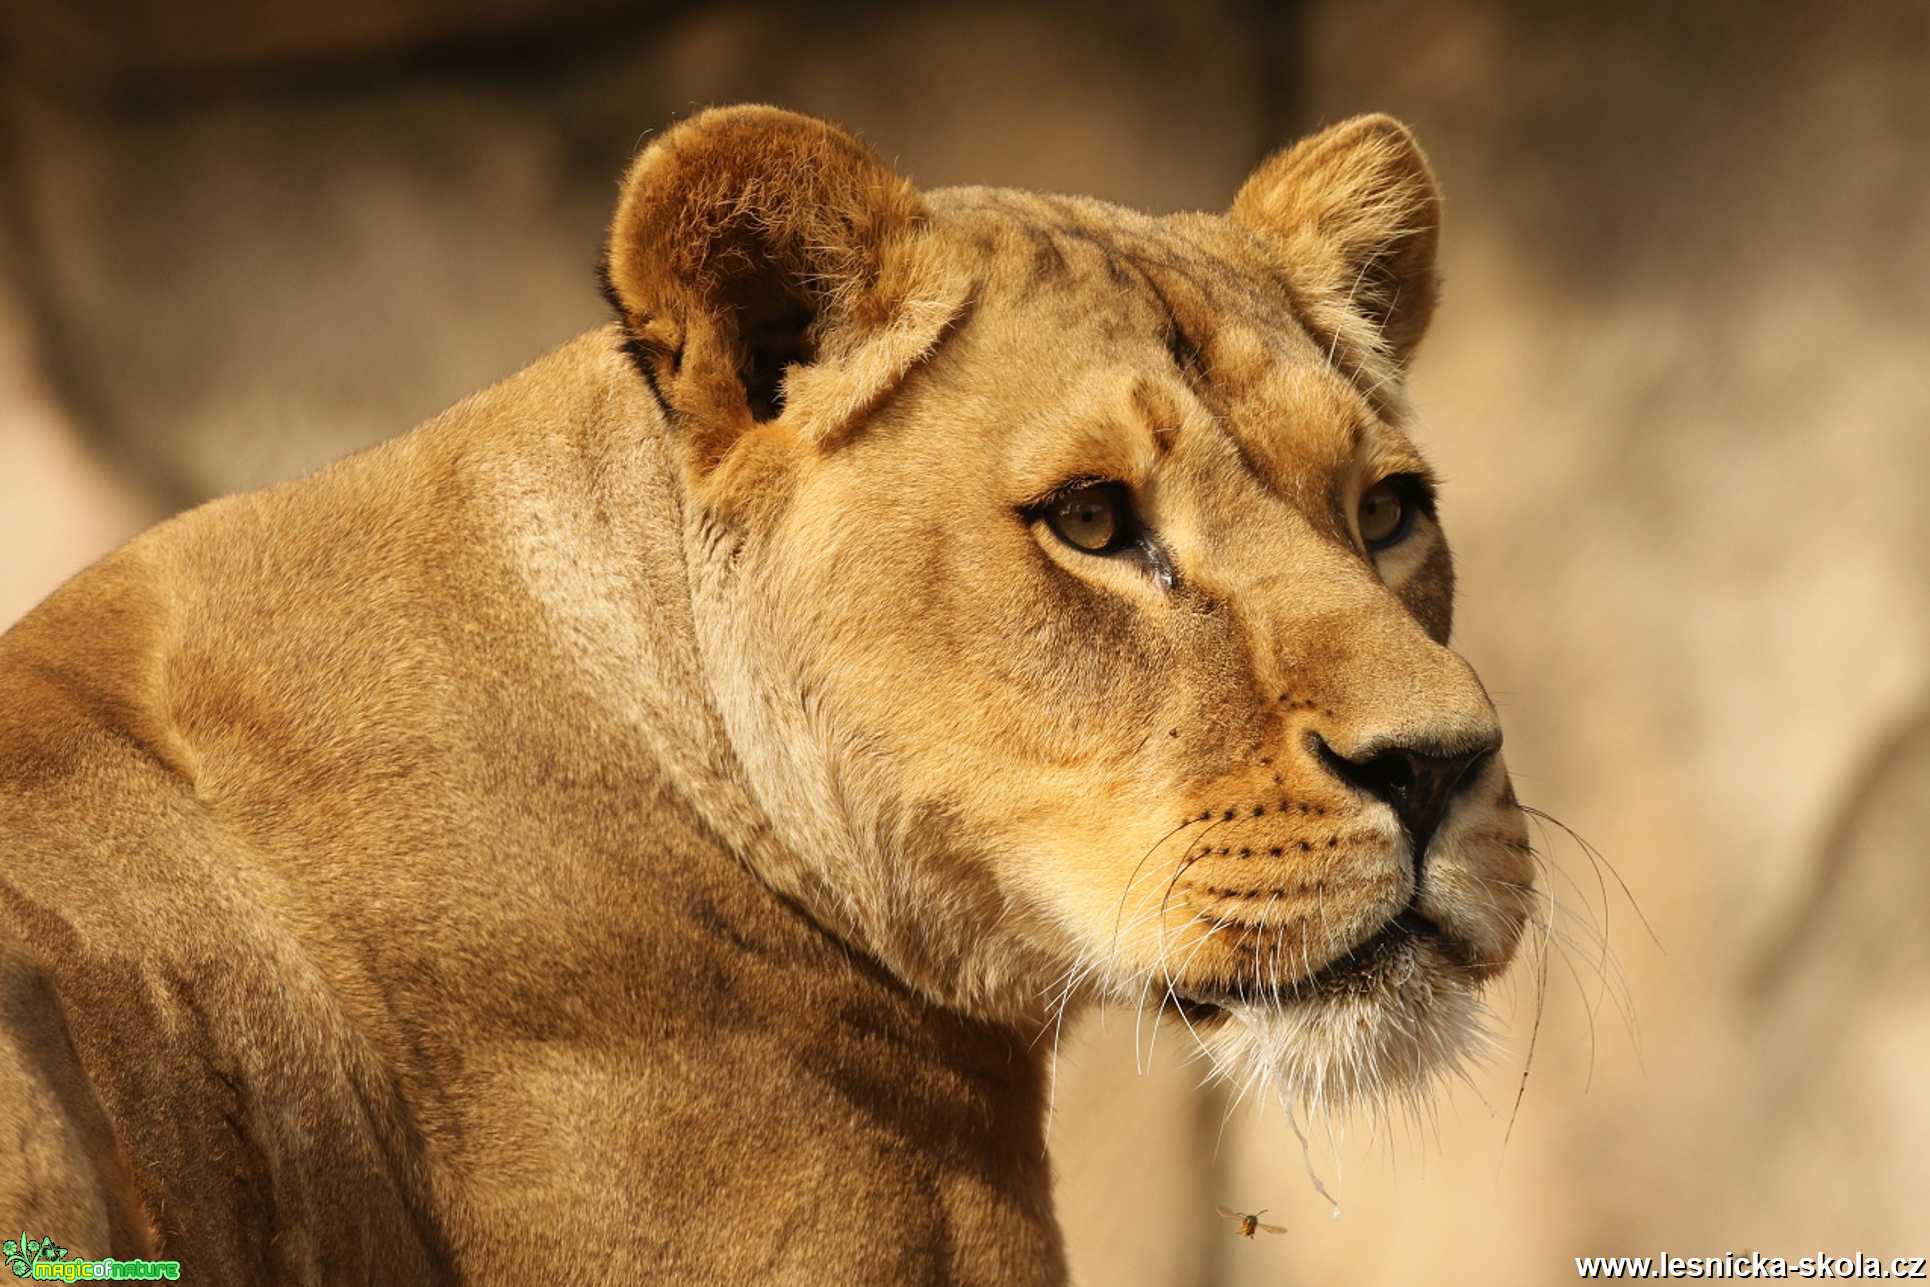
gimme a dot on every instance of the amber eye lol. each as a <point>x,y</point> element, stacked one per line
<point>1385,513</point>
<point>1091,517</point>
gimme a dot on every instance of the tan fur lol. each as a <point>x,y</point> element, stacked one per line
<point>637,825</point>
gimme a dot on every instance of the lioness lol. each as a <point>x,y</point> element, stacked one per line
<point>637,824</point>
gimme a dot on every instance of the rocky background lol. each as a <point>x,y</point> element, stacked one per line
<point>1679,387</point>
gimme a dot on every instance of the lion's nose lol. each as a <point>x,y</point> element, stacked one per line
<point>1419,782</point>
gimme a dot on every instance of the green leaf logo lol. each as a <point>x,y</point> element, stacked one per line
<point>23,1254</point>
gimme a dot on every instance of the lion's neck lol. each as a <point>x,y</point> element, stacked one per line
<point>625,601</point>
<point>751,989</point>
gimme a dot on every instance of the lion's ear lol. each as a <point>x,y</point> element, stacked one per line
<point>1353,215</point>
<point>767,265</point>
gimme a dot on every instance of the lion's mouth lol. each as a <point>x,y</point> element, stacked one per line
<point>1361,970</point>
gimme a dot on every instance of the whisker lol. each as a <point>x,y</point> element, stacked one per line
<point>1141,863</point>
<point>1534,1038</point>
<point>1597,856</point>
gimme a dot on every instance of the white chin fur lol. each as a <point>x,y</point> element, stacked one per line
<point>1356,1050</point>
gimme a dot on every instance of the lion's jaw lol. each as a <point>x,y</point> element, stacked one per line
<point>1382,996</point>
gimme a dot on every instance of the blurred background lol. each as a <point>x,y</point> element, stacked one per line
<point>1679,388</point>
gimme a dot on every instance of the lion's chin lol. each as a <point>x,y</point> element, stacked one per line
<point>1387,1028</point>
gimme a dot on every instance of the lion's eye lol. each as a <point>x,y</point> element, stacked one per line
<point>1386,512</point>
<point>1092,518</point>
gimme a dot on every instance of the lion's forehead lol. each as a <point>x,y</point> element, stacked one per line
<point>1188,301</point>
<point>1199,273</point>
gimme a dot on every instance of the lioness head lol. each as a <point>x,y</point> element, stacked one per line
<point>1076,605</point>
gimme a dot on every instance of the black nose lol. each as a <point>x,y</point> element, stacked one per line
<point>1420,783</point>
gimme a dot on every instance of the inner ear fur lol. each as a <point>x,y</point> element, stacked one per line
<point>1352,214</point>
<point>766,265</point>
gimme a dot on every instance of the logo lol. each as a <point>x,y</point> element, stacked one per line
<point>46,1260</point>
<point>23,1254</point>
